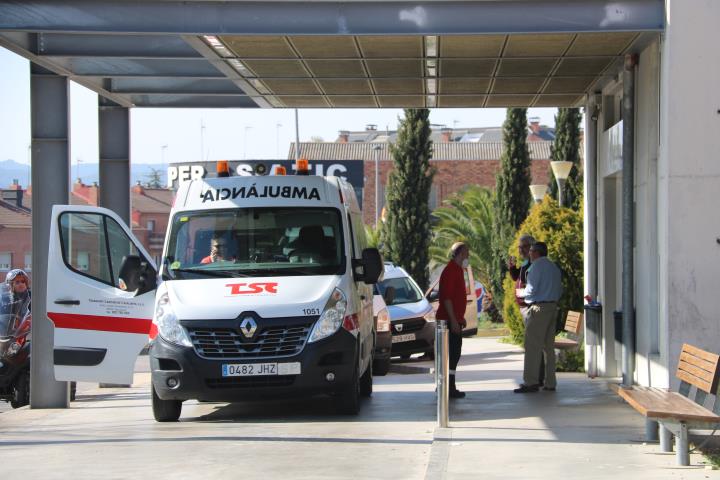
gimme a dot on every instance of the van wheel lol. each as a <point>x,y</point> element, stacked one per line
<point>366,381</point>
<point>165,410</point>
<point>381,367</point>
<point>21,395</point>
<point>348,399</point>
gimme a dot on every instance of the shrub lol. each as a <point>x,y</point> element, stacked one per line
<point>562,230</point>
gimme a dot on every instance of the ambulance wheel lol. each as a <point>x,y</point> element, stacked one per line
<point>348,399</point>
<point>165,410</point>
<point>381,367</point>
<point>21,395</point>
<point>366,381</point>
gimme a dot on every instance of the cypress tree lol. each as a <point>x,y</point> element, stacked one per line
<point>512,195</point>
<point>406,232</point>
<point>566,147</point>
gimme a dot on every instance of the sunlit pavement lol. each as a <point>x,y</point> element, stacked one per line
<point>582,430</point>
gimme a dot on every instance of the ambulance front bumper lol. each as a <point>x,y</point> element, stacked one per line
<point>179,373</point>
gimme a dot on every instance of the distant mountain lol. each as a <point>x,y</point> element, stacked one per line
<point>88,172</point>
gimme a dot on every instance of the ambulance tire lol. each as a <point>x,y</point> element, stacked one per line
<point>381,367</point>
<point>348,399</point>
<point>366,381</point>
<point>165,410</point>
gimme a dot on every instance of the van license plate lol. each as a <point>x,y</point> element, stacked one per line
<point>255,369</point>
<point>408,337</point>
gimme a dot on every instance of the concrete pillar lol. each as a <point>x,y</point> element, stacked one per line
<point>50,185</point>
<point>114,128</point>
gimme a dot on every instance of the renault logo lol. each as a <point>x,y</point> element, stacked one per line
<point>248,327</point>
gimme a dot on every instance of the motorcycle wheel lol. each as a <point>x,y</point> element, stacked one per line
<point>21,395</point>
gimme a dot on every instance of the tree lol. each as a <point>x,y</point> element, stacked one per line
<point>406,232</point>
<point>512,195</point>
<point>154,178</point>
<point>562,230</point>
<point>466,216</point>
<point>566,147</point>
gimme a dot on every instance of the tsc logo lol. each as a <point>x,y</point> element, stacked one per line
<point>254,288</point>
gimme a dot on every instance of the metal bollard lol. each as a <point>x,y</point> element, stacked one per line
<point>442,378</point>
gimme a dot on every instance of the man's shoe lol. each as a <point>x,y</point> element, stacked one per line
<point>549,389</point>
<point>457,394</point>
<point>526,389</point>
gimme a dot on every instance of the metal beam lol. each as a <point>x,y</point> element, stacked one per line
<point>114,168</point>
<point>174,85</point>
<point>194,101</point>
<point>333,18</point>
<point>119,67</point>
<point>50,181</point>
<point>132,46</point>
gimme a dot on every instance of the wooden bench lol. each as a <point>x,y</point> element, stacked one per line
<point>675,412</point>
<point>573,325</point>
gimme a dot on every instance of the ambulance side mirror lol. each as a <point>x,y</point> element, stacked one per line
<point>136,275</point>
<point>372,266</point>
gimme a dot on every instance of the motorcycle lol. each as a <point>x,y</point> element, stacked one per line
<point>15,340</point>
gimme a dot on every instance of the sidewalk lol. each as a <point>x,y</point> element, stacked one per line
<point>582,430</point>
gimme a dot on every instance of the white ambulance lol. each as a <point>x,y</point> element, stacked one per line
<point>264,291</point>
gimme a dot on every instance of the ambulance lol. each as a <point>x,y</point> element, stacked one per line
<point>264,291</point>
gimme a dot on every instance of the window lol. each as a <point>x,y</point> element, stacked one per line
<point>151,226</point>
<point>5,261</point>
<point>94,245</point>
<point>28,262</point>
<point>406,291</point>
<point>256,241</point>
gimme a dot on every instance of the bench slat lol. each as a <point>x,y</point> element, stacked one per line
<point>697,352</point>
<point>573,322</point>
<point>565,343</point>
<point>693,380</point>
<point>660,404</point>
<point>698,362</point>
<point>698,367</point>
<point>696,371</point>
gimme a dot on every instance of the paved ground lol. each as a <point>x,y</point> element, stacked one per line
<point>582,430</point>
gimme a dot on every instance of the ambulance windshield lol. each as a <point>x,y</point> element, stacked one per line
<point>255,242</point>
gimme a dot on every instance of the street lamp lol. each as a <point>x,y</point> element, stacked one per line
<point>561,170</point>
<point>377,149</point>
<point>538,192</point>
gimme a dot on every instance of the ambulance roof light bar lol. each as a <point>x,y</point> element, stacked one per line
<point>222,167</point>
<point>302,167</point>
<point>280,170</point>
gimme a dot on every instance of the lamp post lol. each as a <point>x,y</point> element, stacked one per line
<point>561,170</point>
<point>538,192</point>
<point>376,150</point>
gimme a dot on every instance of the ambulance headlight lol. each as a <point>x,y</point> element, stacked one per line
<point>332,317</point>
<point>168,325</point>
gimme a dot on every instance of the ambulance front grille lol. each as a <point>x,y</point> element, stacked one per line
<point>270,342</point>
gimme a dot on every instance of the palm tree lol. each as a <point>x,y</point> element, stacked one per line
<point>466,216</point>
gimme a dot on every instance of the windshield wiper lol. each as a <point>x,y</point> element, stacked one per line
<point>209,273</point>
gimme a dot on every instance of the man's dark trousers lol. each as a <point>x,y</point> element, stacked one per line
<point>455,349</point>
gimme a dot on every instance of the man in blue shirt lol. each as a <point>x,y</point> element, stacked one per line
<point>543,290</point>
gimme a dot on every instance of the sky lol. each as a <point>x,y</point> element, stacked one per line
<point>162,135</point>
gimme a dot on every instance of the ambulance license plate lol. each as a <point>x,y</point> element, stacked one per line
<point>408,337</point>
<point>255,369</point>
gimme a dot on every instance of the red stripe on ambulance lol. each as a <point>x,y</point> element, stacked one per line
<point>101,323</point>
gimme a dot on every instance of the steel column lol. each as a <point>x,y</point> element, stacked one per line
<point>114,131</point>
<point>50,185</point>
<point>442,373</point>
<point>651,430</point>
<point>682,449</point>
<point>628,220</point>
<point>590,191</point>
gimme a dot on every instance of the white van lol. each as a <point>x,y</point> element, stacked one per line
<point>264,291</point>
